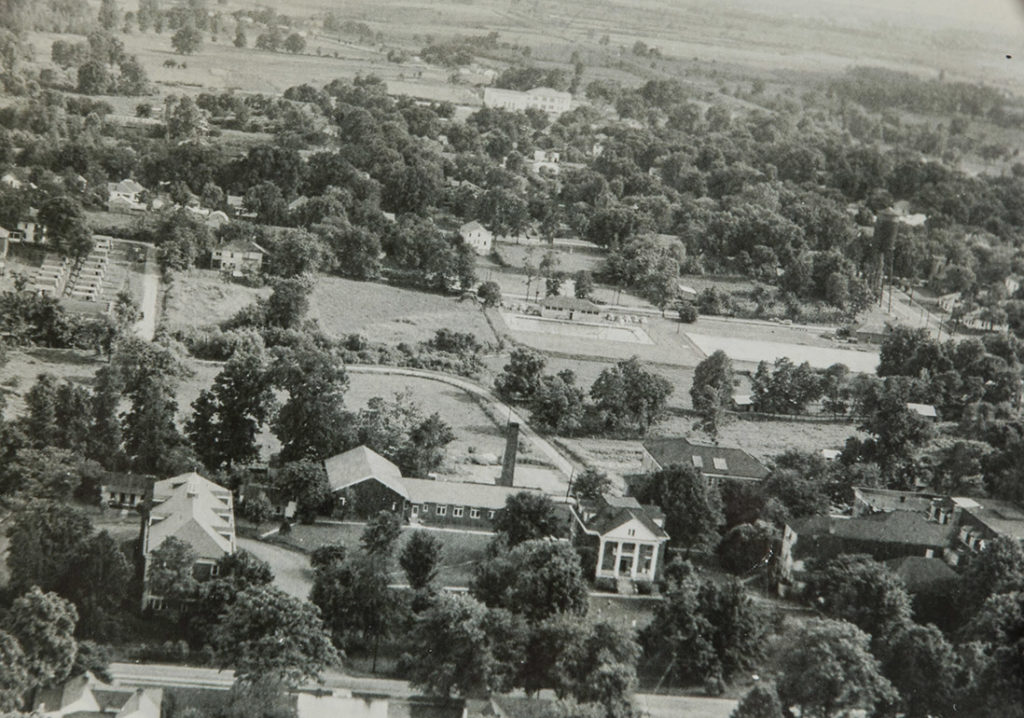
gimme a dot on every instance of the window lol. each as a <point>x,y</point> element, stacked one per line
<point>720,463</point>
<point>490,514</point>
<point>631,532</point>
<point>215,569</point>
<point>442,510</point>
<point>474,513</point>
<point>415,511</point>
<point>698,462</point>
<point>458,511</point>
<point>608,559</point>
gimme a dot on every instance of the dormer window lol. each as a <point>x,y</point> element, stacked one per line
<point>720,463</point>
<point>698,462</point>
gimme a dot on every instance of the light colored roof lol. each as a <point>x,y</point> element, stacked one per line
<point>128,186</point>
<point>360,464</point>
<point>241,245</point>
<point>549,91</point>
<point>926,410</point>
<point>342,703</point>
<point>194,510</point>
<point>460,493</point>
<point>896,527</point>
<point>1004,518</point>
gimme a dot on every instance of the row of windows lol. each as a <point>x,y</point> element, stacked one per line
<point>442,510</point>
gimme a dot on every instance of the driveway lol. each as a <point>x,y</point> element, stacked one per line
<point>292,573</point>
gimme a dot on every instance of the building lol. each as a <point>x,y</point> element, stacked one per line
<point>977,522</point>
<point>921,574</point>
<point>547,162</point>
<point>86,697</point>
<point>872,501</point>
<point>478,237</point>
<point>569,308</point>
<point>126,491</point>
<point>548,100</point>
<point>365,483</point>
<point>628,538</point>
<point>240,256</point>
<point>197,512</point>
<point>125,196</point>
<point>925,411</point>
<point>715,462</point>
<point>340,703</point>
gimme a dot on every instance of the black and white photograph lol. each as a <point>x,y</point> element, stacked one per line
<point>511,359</point>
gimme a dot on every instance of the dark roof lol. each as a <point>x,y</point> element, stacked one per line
<point>919,572</point>
<point>712,460</point>
<point>614,511</point>
<point>890,500</point>
<point>128,483</point>
<point>1003,518</point>
<point>897,527</point>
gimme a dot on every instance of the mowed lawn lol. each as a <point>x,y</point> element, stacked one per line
<point>462,551</point>
<point>384,313</point>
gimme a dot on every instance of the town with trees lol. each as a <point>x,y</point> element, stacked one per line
<point>492,358</point>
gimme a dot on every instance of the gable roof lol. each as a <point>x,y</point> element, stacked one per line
<point>241,245</point>
<point>195,510</point>
<point>925,410</point>
<point>471,227</point>
<point>361,464</point>
<point>721,461</point>
<point>897,527</point>
<point>919,572</point>
<point>891,500</point>
<point>1003,518</point>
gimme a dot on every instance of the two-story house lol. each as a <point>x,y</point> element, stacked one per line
<point>628,539</point>
<point>240,256</point>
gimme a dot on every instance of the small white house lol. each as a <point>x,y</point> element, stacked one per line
<point>478,237</point>
<point>125,196</point>
<point>239,256</point>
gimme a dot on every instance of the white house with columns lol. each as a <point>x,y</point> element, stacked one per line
<point>630,538</point>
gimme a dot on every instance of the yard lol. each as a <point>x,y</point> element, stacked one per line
<point>204,297</point>
<point>385,313</point>
<point>462,551</point>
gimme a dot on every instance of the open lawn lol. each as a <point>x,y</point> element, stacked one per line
<point>462,551</point>
<point>200,297</point>
<point>23,366</point>
<point>385,313</point>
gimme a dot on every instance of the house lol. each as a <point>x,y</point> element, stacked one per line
<point>743,403</point>
<point>926,411</point>
<point>478,237</point>
<point>86,697</point>
<point>569,308</point>
<point>547,161</point>
<point>629,538</point>
<point>546,99</point>
<point>883,536</point>
<point>871,501</point>
<point>193,510</point>
<point>715,462</point>
<point>340,703</point>
<point>978,521</point>
<point>366,483</point>
<point>9,180</point>
<point>126,491</point>
<point>125,196</point>
<point>239,256</point>
<point>27,233</point>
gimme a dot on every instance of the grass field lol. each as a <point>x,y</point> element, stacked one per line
<point>462,551</point>
<point>385,313</point>
<point>23,366</point>
<point>203,297</point>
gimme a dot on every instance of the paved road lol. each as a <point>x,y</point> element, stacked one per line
<point>155,674</point>
<point>560,462</point>
<point>292,573</point>
<point>146,326</point>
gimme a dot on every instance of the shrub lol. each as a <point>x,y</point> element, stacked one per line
<point>606,585</point>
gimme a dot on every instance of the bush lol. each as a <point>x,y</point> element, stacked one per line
<point>606,585</point>
<point>687,312</point>
<point>645,587</point>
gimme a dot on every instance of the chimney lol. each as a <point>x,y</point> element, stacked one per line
<point>508,461</point>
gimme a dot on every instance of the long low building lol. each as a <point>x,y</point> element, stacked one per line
<point>365,483</point>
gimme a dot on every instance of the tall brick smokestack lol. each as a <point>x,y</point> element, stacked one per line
<point>508,462</point>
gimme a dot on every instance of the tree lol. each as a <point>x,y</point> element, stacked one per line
<point>747,547</point>
<point>826,669</point>
<point>537,578</point>
<point>761,701</point>
<point>924,669</point>
<point>14,677</point>
<point>66,228</point>
<point>325,557</point>
<point>558,405</point>
<point>44,540</point>
<point>998,568</point>
<point>44,626</point>
<point>687,312</point>
<point>527,515</point>
<point>591,484</point>
<point>451,647</point>
<point>628,396</point>
<point>265,634</point>
<point>583,284</point>
<point>169,571</point>
<point>187,40</point>
<point>785,389</point>
<point>381,533</point>
<point>240,38</point>
<point>98,585</point>
<point>693,508</point>
<point>356,249</point>
<point>711,391</point>
<point>489,293</point>
<point>289,302</point>
<point>41,402</point>
<point>420,559</point>
<point>304,482</point>
<point>521,377</point>
<point>313,422</point>
<point>151,435</point>
<point>94,78</point>
<point>708,632</point>
<point>998,628</point>
<point>72,415</point>
<point>297,252</point>
<point>860,590</point>
<point>295,43</point>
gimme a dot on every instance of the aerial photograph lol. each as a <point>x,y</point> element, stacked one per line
<point>511,359</point>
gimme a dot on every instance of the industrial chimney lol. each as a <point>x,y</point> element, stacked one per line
<point>508,462</point>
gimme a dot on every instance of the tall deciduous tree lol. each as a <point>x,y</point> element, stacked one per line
<point>712,389</point>
<point>827,669</point>
<point>692,506</point>
<point>527,515</point>
<point>521,377</point>
<point>924,669</point>
<point>628,396</point>
<point>66,226</point>
<point>268,635</point>
<point>169,571</point>
<point>537,578</point>
<point>151,436</point>
<point>44,541</point>
<point>452,647</point>
<point>762,701</point>
<point>420,558</point>
<point>14,677</point>
<point>44,626</point>
<point>860,590</point>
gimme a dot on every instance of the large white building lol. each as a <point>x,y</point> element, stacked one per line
<point>552,101</point>
<point>478,237</point>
